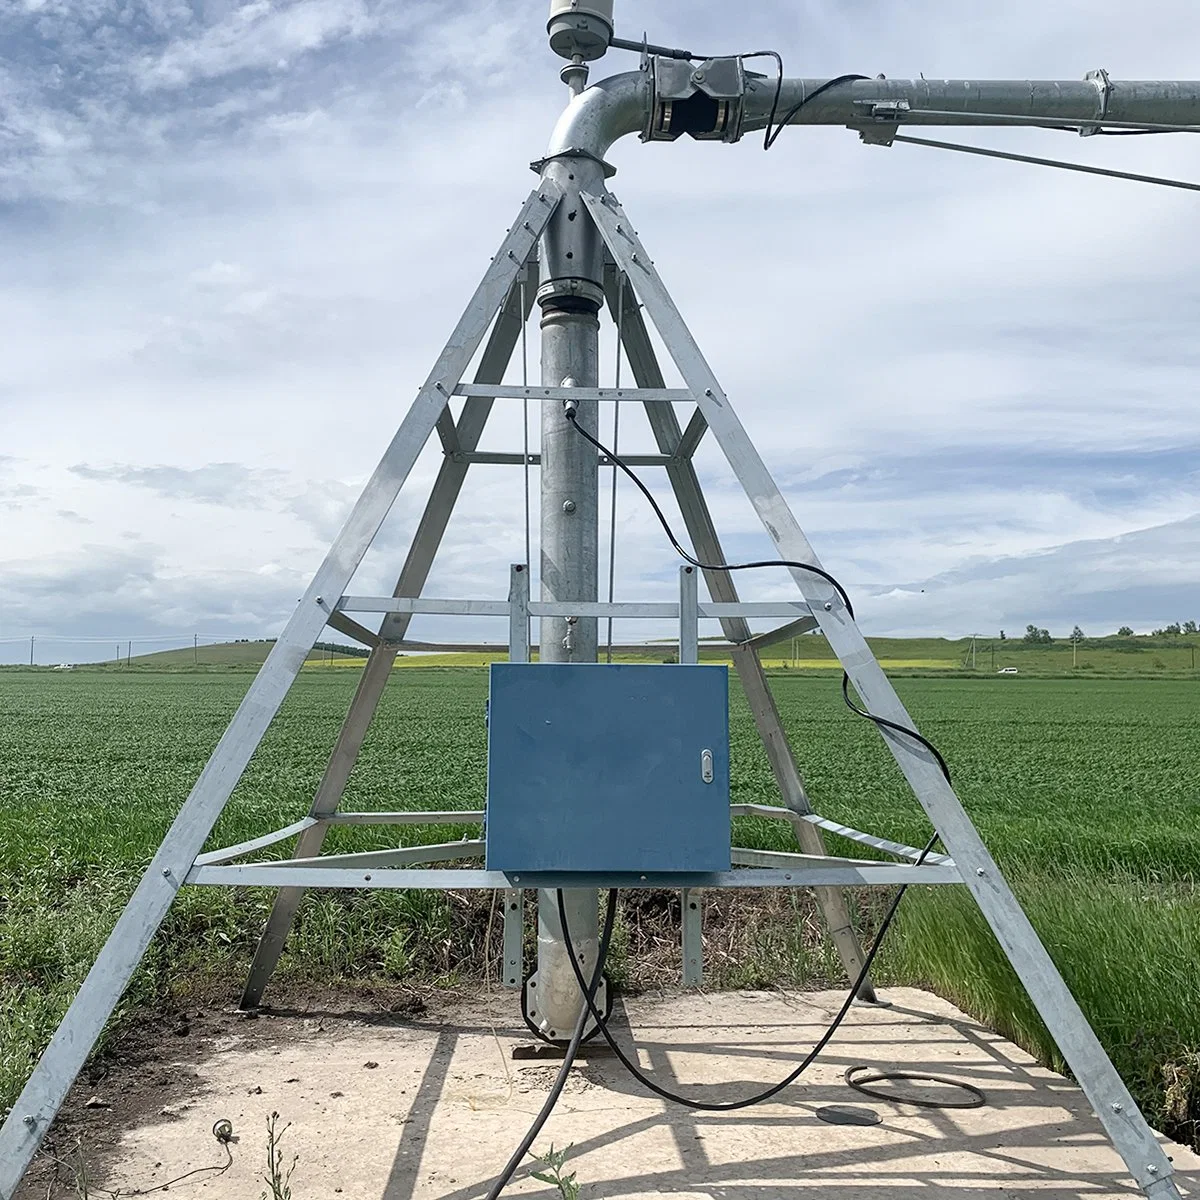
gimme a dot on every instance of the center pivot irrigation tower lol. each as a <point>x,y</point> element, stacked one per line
<point>578,749</point>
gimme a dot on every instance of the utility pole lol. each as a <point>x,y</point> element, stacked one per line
<point>195,649</point>
<point>128,653</point>
<point>31,650</point>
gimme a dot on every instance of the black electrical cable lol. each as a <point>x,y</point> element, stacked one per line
<point>787,1080</point>
<point>884,723</point>
<point>571,413</point>
<point>589,995</point>
<point>770,138</point>
<point>778,88</point>
<point>881,722</point>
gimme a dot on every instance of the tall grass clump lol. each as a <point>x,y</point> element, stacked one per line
<point>1127,948</point>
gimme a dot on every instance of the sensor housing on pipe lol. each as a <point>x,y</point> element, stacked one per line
<point>580,29</point>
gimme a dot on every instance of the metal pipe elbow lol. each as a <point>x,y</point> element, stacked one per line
<point>601,114</point>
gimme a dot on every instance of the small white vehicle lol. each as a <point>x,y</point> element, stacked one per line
<point>1007,671</point>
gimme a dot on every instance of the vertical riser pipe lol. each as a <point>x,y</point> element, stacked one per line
<point>570,296</point>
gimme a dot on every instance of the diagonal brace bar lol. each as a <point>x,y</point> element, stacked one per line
<point>1104,1088</point>
<point>445,492</point>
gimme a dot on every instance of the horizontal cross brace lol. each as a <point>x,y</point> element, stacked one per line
<point>398,856</point>
<point>474,816</point>
<point>869,839</point>
<point>745,856</point>
<point>497,392</point>
<point>512,458</point>
<point>255,844</point>
<point>627,610</point>
<point>855,835</point>
<point>782,632</point>
<point>446,817</point>
<point>289,875</point>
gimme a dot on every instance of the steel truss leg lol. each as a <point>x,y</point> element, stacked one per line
<point>42,1096</point>
<point>707,546</point>
<point>432,527</point>
<point>1109,1098</point>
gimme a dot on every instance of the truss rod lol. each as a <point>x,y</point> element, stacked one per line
<point>1043,122</point>
<point>1080,168</point>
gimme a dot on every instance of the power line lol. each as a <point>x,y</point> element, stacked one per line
<point>136,637</point>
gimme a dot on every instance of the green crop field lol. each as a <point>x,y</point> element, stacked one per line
<point>1086,790</point>
<point>1162,656</point>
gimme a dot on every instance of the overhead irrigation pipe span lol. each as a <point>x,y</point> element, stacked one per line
<point>877,108</point>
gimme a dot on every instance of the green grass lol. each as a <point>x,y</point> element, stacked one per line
<point>1086,792</point>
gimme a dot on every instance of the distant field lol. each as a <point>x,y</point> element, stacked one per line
<point>1107,657</point>
<point>1087,792</point>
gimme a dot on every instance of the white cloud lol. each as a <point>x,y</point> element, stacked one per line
<point>258,34</point>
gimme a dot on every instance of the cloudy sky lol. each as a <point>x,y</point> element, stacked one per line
<point>234,237</point>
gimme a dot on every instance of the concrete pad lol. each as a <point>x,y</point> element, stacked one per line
<point>418,1109</point>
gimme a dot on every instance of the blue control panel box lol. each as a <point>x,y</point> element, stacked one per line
<point>608,768</point>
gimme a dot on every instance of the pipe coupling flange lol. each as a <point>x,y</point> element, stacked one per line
<point>705,100</point>
<point>1104,89</point>
<point>578,293</point>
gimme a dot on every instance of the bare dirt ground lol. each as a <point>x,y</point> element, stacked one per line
<point>418,1104</point>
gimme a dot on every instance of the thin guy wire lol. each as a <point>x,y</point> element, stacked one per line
<point>612,524</point>
<point>1048,162</point>
<point>1054,122</point>
<point>525,421</point>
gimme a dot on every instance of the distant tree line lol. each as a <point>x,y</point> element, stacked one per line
<point>1034,635</point>
<point>343,651</point>
<point>1175,629</point>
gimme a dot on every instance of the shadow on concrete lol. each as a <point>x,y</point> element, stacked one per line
<point>1036,1138</point>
